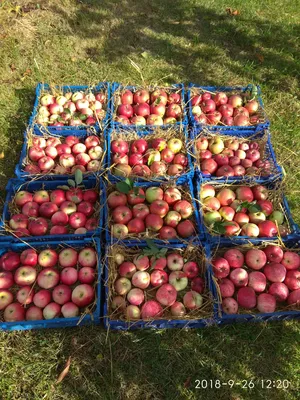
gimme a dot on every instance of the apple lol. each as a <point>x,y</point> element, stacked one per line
<point>207,191</point>
<point>77,220</point>
<point>14,312</point>
<point>235,258</point>
<point>51,311</point>
<point>230,306</point>
<point>154,222</point>
<point>175,262</point>
<point>266,207</point>
<point>42,298</point>
<point>159,263</point>
<point>211,203</point>
<point>28,257</point>
<point>135,296</point>
<point>118,303</point>
<point>255,259</point>
<point>227,288</point>
<point>184,208</point>
<point>239,277</point>
<point>250,230</point>
<point>275,254</point>
<point>62,294</point>
<point>151,309</point>
<point>192,300</point>
<point>175,145</point>
<point>267,229</point>
<point>48,278</point>
<point>275,272</point>
<point>279,290</point>
<point>177,309</point>
<point>141,262</point>
<point>294,298</point>
<point>136,225</point>
<point>226,197</point>
<point>252,106</point>
<point>257,280</point>
<point>68,257</point>
<point>31,209</point>
<point>19,221</point>
<point>141,279</point>
<point>83,295</point>
<point>68,276</point>
<point>266,303</point>
<point>257,217</point>
<point>140,211</point>
<point>197,284</point>
<point>122,286</point>
<point>68,207</point>
<point>241,219</point>
<point>60,218</point>
<point>227,213</point>
<point>292,279</point>
<point>141,170</point>
<point>276,216</point>
<point>47,258</point>
<point>6,298</point>
<point>211,217</point>
<point>69,310</point>
<point>154,193</point>
<point>179,280</point>
<point>10,261</point>
<point>246,298</point>
<point>34,313</point>
<point>216,145</point>
<point>119,231</point>
<point>290,260</point>
<point>166,295</point>
<point>136,196</point>
<point>127,269</point>
<point>158,277</point>
<point>25,275</point>
<point>122,215</point>
<point>167,233</point>
<point>221,267</point>
<point>209,166</point>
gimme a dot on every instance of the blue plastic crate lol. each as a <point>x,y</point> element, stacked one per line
<point>277,171</point>
<point>82,134</point>
<point>137,240</point>
<point>14,185</point>
<point>223,240</point>
<point>226,89</point>
<point>162,323</point>
<point>44,87</point>
<point>255,316</point>
<point>88,319</point>
<point>146,134</point>
<point>118,86</point>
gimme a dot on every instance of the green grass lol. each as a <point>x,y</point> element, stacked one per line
<point>171,41</point>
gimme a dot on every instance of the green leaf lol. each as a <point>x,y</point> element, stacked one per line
<point>123,187</point>
<point>63,187</point>
<point>219,227</point>
<point>254,208</point>
<point>67,111</point>
<point>71,182</point>
<point>78,176</point>
<point>145,54</point>
<point>129,182</point>
<point>151,244</point>
<point>163,252</point>
<point>151,159</point>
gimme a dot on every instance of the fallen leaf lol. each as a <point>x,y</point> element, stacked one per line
<point>3,35</point>
<point>1,155</point>
<point>145,54</point>
<point>26,73</point>
<point>260,57</point>
<point>232,12</point>
<point>12,67</point>
<point>65,371</point>
<point>187,383</point>
<point>100,357</point>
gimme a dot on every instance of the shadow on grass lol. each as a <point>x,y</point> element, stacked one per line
<point>16,124</point>
<point>165,365</point>
<point>193,39</point>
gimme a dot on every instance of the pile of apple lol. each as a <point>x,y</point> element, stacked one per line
<point>71,109</point>
<point>146,158</point>
<point>163,212</point>
<point>263,279</point>
<point>149,108</point>
<point>55,212</point>
<point>64,156</point>
<point>157,287</point>
<point>242,210</point>
<point>47,284</point>
<point>231,157</point>
<point>214,109</point>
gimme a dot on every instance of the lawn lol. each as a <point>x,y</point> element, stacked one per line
<point>171,41</point>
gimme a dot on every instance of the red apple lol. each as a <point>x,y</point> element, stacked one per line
<point>246,298</point>
<point>255,259</point>
<point>221,267</point>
